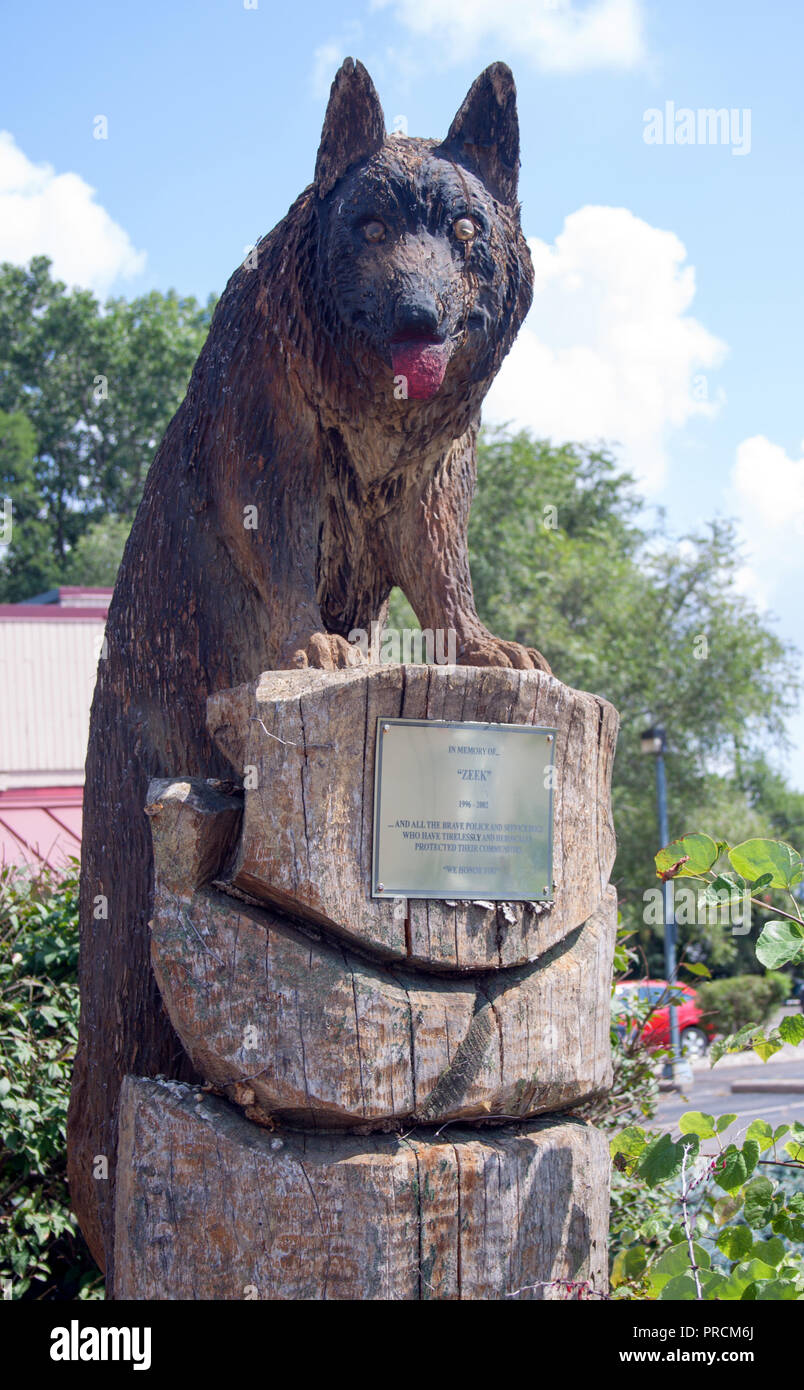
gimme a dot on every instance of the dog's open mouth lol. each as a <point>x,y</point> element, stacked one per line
<point>422,361</point>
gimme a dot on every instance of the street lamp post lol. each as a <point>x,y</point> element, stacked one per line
<point>654,740</point>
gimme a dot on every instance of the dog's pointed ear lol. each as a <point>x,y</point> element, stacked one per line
<point>484,136</point>
<point>354,126</point>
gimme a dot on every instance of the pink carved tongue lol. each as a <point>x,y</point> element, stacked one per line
<point>422,364</point>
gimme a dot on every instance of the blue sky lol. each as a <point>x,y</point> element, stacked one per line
<point>668,305</point>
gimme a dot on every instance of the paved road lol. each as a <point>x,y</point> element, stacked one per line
<point>710,1092</point>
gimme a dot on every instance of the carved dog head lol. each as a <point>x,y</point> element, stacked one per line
<point>421,261</point>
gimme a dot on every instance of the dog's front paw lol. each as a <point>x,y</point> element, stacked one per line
<point>327,651</point>
<point>487,650</point>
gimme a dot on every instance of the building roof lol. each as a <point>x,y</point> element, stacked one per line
<point>49,651</point>
<point>40,825</point>
<point>72,596</point>
<point>48,612</point>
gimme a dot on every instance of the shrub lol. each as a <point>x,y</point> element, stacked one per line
<point>730,1004</point>
<point>42,1252</point>
<point>674,1236</point>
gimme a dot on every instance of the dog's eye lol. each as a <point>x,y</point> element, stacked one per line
<point>374,231</point>
<point>464,228</point>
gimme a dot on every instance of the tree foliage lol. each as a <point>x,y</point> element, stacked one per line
<point>42,1252</point>
<point>716,1213</point>
<point>86,393</point>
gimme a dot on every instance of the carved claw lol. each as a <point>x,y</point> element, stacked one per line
<point>327,651</point>
<point>487,650</point>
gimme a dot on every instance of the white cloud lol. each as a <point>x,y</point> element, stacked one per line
<point>609,351</point>
<point>767,492</point>
<point>556,35</point>
<point>43,213</point>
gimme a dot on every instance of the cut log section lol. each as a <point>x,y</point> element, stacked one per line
<point>304,743</point>
<point>315,1034</point>
<point>287,1019</point>
<point>209,1206</point>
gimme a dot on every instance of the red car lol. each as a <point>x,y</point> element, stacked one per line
<point>696,1031</point>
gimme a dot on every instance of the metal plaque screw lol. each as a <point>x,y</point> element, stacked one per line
<point>549,738</point>
<point>380,887</point>
<point>547,887</point>
<point>386,728</point>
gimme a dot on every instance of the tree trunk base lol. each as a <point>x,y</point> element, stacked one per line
<point>212,1206</point>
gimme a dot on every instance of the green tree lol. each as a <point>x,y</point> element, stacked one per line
<point>96,555</point>
<point>146,349</point>
<point>98,385</point>
<point>782,807</point>
<point>27,562</point>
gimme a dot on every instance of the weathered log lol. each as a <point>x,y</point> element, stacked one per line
<point>288,1017</point>
<point>346,1029</point>
<point>305,742</point>
<point>210,1206</point>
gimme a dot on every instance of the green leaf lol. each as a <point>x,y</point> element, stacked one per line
<point>792,1029</point>
<point>795,1150</point>
<point>765,881</point>
<point>628,1265</point>
<point>697,1122</point>
<point>725,1209</point>
<point>711,1283</point>
<point>766,1045</point>
<point>698,968</point>
<point>735,1166</point>
<point>761,1131</point>
<point>663,1158</point>
<point>733,884</point>
<point>786,1225</point>
<point>758,1201</point>
<point>777,1290</point>
<point>771,1251</point>
<point>780,943</point>
<point>741,1278</point>
<point>755,859</point>
<point>681,1289</point>
<point>673,1264</point>
<point>734,1042</point>
<point>676,1259</point>
<point>756,1269</point>
<point>698,850</point>
<point>628,1145</point>
<point>723,1121</point>
<point>735,1241</point>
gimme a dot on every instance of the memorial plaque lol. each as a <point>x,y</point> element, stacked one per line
<point>463,810</point>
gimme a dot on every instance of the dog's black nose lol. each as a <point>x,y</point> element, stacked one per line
<point>416,318</point>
